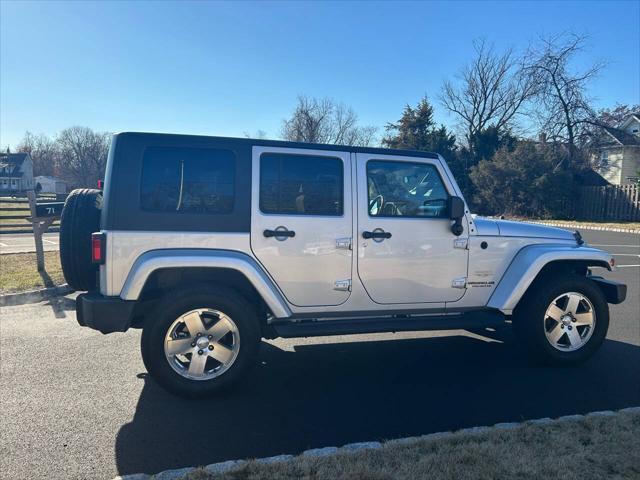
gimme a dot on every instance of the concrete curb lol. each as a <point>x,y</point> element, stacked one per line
<point>585,227</point>
<point>34,296</point>
<point>229,465</point>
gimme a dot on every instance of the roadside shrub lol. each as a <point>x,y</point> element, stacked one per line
<point>528,181</point>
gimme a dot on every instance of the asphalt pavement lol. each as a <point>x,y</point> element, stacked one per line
<point>78,404</point>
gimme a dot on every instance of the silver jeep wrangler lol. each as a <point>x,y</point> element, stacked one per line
<point>209,244</point>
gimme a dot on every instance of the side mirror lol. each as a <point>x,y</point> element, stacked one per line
<point>455,207</point>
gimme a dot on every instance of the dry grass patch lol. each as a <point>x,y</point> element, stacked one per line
<point>18,272</point>
<point>590,448</point>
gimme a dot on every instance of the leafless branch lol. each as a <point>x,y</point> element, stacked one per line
<point>325,121</point>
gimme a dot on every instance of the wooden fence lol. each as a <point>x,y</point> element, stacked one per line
<point>14,213</point>
<point>610,203</point>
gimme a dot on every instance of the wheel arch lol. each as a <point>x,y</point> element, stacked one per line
<point>542,260</point>
<point>161,270</point>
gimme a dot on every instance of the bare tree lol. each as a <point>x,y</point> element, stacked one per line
<point>613,117</point>
<point>491,91</point>
<point>325,121</point>
<point>562,105</point>
<point>83,155</point>
<point>44,153</point>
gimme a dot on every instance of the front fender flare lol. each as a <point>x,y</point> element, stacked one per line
<point>151,261</point>
<point>528,263</point>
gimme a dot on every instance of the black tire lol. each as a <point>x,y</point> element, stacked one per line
<point>80,218</point>
<point>529,318</point>
<point>177,303</point>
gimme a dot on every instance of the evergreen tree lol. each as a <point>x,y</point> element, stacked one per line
<point>417,130</point>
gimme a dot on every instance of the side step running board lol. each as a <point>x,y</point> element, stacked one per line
<point>317,328</point>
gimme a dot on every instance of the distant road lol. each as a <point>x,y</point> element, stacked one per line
<point>24,242</point>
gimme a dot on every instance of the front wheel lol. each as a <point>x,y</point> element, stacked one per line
<point>562,320</point>
<point>198,342</point>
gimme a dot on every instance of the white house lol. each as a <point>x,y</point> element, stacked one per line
<point>16,173</point>
<point>48,184</point>
<point>618,156</point>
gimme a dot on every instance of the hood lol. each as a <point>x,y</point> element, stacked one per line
<point>506,228</point>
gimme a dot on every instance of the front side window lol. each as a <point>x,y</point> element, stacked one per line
<point>301,185</point>
<point>404,189</point>
<point>188,180</point>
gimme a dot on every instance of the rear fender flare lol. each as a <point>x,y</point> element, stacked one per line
<point>154,260</point>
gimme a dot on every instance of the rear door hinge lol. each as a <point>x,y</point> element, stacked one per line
<point>342,285</point>
<point>461,243</point>
<point>343,243</point>
<point>460,282</point>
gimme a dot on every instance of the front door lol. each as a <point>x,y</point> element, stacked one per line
<point>407,252</point>
<point>302,222</point>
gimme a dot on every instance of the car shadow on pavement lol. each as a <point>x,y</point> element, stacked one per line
<point>328,394</point>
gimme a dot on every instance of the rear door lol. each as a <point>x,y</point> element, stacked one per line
<point>302,222</point>
<point>407,252</point>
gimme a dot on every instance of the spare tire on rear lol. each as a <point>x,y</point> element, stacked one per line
<point>80,218</point>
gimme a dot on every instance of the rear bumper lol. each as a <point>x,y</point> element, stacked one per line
<point>614,292</point>
<point>105,314</point>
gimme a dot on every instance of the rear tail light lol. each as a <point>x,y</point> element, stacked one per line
<point>98,252</point>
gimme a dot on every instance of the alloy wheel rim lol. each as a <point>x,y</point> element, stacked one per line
<point>202,344</point>
<point>569,321</point>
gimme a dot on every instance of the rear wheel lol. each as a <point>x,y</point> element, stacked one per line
<point>199,342</point>
<point>562,320</point>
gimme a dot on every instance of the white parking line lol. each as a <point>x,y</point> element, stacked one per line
<point>626,266</point>
<point>3,244</point>
<point>49,241</point>
<point>625,255</point>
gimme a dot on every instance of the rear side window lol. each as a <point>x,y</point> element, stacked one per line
<point>188,180</point>
<point>301,185</point>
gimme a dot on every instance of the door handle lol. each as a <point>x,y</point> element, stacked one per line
<point>279,233</point>
<point>375,234</point>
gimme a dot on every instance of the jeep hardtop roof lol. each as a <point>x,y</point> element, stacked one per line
<point>279,143</point>
<point>121,208</point>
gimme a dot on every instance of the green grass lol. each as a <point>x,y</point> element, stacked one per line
<point>587,449</point>
<point>18,272</point>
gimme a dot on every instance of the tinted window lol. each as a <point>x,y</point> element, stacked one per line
<point>403,189</point>
<point>300,184</point>
<point>190,180</point>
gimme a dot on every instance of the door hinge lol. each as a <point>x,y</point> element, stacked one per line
<point>460,282</point>
<point>461,243</point>
<point>342,285</point>
<point>343,243</point>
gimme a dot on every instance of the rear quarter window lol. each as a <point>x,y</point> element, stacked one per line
<point>188,180</point>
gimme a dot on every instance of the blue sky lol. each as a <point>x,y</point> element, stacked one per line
<point>228,68</point>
